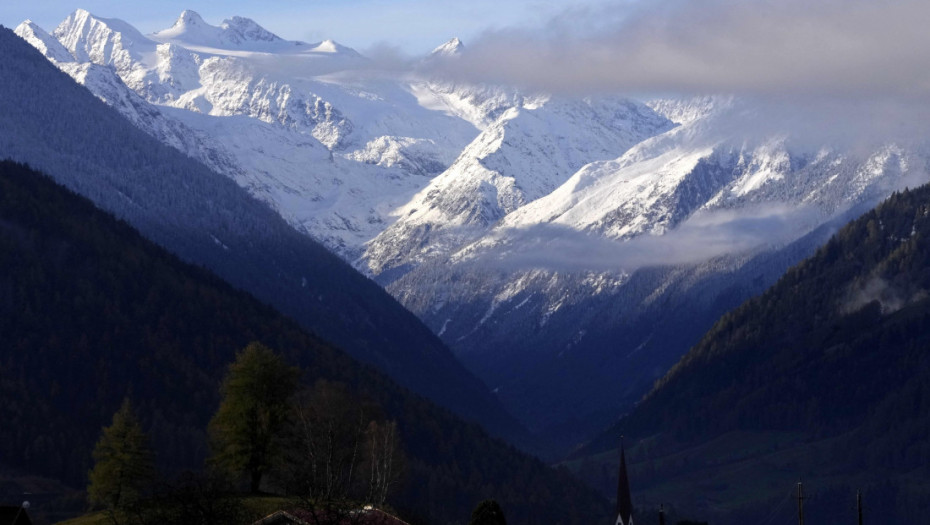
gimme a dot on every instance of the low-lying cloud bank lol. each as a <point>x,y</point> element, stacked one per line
<point>836,48</point>
<point>704,236</point>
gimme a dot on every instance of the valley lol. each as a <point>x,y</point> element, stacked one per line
<point>470,203</point>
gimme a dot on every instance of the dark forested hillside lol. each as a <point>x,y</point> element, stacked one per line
<point>91,312</point>
<point>59,127</point>
<point>824,377</point>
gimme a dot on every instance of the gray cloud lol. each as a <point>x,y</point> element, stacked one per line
<point>836,48</point>
<point>704,236</point>
<point>856,125</point>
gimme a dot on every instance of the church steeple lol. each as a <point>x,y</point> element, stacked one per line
<point>624,501</point>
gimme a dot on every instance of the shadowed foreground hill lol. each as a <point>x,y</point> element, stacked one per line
<point>825,377</point>
<point>91,312</point>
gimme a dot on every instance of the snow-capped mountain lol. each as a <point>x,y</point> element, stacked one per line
<point>453,47</point>
<point>525,154</point>
<point>236,33</point>
<point>572,304</point>
<point>333,158</point>
<point>523,228</point>
<point>342,151</point>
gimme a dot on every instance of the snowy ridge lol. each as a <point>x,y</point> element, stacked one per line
<point>382,137</point>
<point>333,159</point>
<point>685,111</point>
<point>239,34</point>
<point>453,47</point>
<point>536,282</point>
<point>524,155</point>
<point>44,42</point>
<point>235,33</point>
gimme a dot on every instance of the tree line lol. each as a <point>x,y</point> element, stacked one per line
<point>825,362</point>
<point>91,312</point>
<point>331,452</point>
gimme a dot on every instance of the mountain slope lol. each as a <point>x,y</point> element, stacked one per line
<point>825,376</point>
<point>542,238</point>
<point>57,126</point>
<point>525,154</point>
<point>370,143</point>
<point>90,312</point>
<point>612,276</point>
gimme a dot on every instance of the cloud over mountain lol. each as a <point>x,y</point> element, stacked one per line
<point>836,47</point>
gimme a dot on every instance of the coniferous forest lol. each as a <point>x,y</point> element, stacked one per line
<point>825,377</point>
<point>92,314</point>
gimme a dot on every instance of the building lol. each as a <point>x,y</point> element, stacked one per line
<point>624,500</point>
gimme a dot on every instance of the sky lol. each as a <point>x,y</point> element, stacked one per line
<point>412,26</point>
<point>838,48</point>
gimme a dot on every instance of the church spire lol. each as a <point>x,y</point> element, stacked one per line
<point>624,501</point>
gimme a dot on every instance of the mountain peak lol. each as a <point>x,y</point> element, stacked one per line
<point>189,18</point>
<point>237,33</point>
<point>331,46</point>
<point>453,47</point>
<point>76,19</point>
<point>241,29</point>
<point>44,42</point>
<point>86,35</point>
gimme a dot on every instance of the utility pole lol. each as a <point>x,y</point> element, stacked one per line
<point>662,514</point>
<point>800,503</point>
<point>859,505</point>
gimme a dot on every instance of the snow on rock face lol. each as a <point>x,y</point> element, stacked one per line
<point>334,158</point>
<point>612,197</point>
<point>106,41</point>
<point>499,309</point>
<point>408,170</point>
<point>451,48</point>
<point>178,69</point>
<point>506,295</point>
<point>232,87</point>
<point>331,47</point>
<point>239,36</point>
<point>44,42</point>
<point>236,33</point>
<point>241,30</point>
<point>684,111</point>
<point>105,83</point>
<point>479,105</point>
<point>524,155</point>
<point>415,155</point>
<point>109,42</point>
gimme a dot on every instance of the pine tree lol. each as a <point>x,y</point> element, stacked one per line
<point>488,512</point>
<point>247,429</point>
<point>123,464</point>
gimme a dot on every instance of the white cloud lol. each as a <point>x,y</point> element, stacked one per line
<point>704,236</point>
<point>835,47</point>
